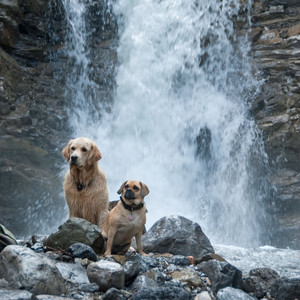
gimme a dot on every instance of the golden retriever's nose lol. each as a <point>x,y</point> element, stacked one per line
<point>74,158</point>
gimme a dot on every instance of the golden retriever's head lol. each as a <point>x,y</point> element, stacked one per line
<point>133,191</point>
<point>81,152</point>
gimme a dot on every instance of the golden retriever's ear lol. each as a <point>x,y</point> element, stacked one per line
<point>144,190</point>
<point>95,154</point>
<point>66,151</point>
<point>121,187</point>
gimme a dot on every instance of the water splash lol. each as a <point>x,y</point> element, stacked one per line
<point>180,119</point>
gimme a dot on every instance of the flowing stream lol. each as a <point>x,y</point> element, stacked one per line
<point>179,120</point>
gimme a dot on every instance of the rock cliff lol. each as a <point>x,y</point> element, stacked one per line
<point>275,38</point>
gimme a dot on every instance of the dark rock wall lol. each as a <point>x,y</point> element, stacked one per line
<point>34,125</point>
<point>33,121</point>
<point>275,39</point>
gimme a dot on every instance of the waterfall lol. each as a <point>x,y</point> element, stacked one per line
<point>179,120</point>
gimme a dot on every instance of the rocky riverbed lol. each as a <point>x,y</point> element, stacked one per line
<point>181,264</point>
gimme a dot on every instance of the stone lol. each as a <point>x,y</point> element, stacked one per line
<point>221,274</point>
<point>230,293</point>
<point>76,230</point>
<point>132,267</point>
<point>190,277</point>
<point>260,281</point>
<point>179,260</point>
<point>15,295</point>
<point>143,282</point>
<point>73,272</point>
<point>168,291</point>
<point>81,250</point>
<point>25,269</point>
<point>113,294</point>
<point>50,297</point>
<point>176,235</point>
<point>106,274</point>
<point>286,288</point>
<point>203,296</point>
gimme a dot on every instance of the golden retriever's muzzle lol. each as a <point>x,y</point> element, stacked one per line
<point>74,159</point>
<point>129,194</point>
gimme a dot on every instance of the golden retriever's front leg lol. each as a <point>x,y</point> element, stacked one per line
<point>110,239</point>
<point>138,238</point>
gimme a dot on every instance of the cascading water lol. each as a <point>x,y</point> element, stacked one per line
<point>179,119</point>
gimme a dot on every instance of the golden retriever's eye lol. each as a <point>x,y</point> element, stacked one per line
<point>84,149</point>
<point>135,188</point>
<point>73,148</point>
<point>126,186</point>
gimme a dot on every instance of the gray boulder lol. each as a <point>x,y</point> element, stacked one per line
<point>286,288</point>
<point>76,230</point>
<point>260,281</point>
<point>106,274</point>
<point>221,274</point>
<point>230,293</point>
<point>15,295</point>
<point>73,272</point>
<point>177,235</point>
<point>80,250</point>
<point>25,269</point>
<point>142,282</point>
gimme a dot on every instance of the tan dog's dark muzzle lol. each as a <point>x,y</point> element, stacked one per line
<point>129,194</point>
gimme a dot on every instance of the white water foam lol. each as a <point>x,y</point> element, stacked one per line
<point>182,89</point>
<point>284,261</point>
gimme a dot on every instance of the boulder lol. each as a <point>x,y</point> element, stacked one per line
<point>170,290</point>
<point>15,295</point>
<point>143,281</point>
<point>230,293</point>
<point>189,277</point>
<point>76,230</point>
<point>106,274</point>
<point>260,281</point>
<point>80,250</point>
<point>221,274</point>
<point>176,235</point>
<point>25,269</point>
<point>203,296</point>
<point>73,272</point>
<point>286,288</point>
<point>113,294</point>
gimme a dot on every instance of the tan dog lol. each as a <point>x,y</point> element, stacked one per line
<point>127,219</point>
<point>85,185</point>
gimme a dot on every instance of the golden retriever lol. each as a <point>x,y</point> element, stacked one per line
<point>127,219</point>
<point>85,184</point>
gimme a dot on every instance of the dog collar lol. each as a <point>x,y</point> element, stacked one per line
<point>81,186</point>
<point>131,207</point>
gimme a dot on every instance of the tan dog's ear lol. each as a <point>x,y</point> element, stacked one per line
<point>95,154</point>
<point>121,187</point>
<point>144,190</point>
<point>66,151</point>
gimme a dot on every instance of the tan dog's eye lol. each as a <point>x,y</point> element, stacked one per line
<point>126,186</point>
<point>73,148</point>
<point>84,149</point>
<point>135,188</point>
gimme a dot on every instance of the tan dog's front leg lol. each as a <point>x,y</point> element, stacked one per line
<point>138,238</point>
<point>110,240</point>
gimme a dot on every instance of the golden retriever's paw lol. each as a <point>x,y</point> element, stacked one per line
<point>107,254</point>
<point>143,253</point>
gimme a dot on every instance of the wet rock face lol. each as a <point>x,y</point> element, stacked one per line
<point>275,40</point>
<point>33,121</point>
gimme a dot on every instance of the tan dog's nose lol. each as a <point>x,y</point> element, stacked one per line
<point>129,194</point>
